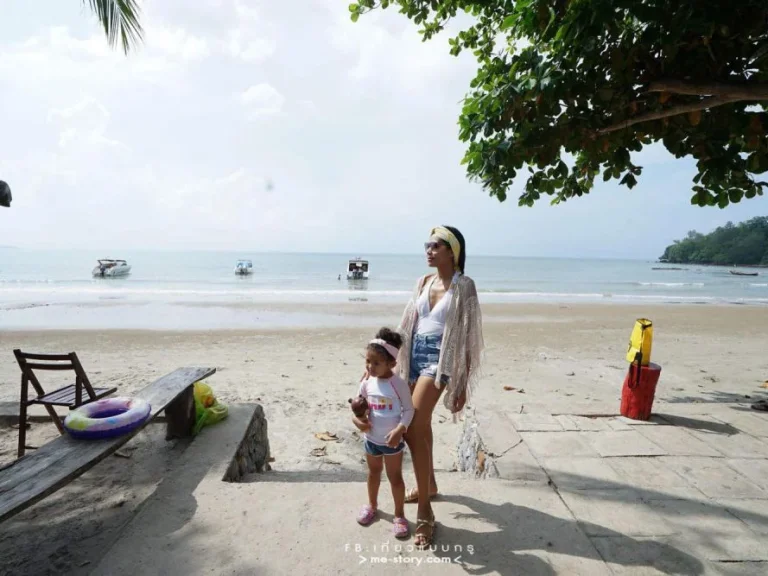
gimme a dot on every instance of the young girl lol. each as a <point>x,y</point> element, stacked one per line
<point>390,411</point>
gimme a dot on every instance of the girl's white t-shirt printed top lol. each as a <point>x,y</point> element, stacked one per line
<point>389,404</point>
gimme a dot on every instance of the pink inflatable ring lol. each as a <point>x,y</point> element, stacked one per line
<point>107,418</point>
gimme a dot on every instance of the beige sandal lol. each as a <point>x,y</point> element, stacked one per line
<point>422,540</point>
<point>412,496</point>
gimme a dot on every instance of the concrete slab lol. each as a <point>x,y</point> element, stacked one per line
<point>754,513</point>
<point>697,422</point>
<point>710,531</point>
<point>513,529</point>
<point>653,479</point>
<point>558,444</point>
<point>582,474</point>
<point>583,423</point>
<point>624,444</point>
<point>648,557</point>
<point>655,420</point>
<point>678,441</point>
<point>618,424</point>
<point>736,445</point>
<point>535,423</point>
<point>713,477</point>
<point>497,431</point>
<point>739,568</point>
<point>752,422</point>
<point>519,465</point>
<point>608,512</point>
<point>755,470</point>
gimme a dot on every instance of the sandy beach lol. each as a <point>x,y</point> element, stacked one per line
<point>558,358</point>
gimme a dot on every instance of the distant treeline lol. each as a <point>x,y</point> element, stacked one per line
<point>744,244</point>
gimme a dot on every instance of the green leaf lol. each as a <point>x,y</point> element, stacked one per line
<point>629,181</point>
<point>508,22</point>
<point>735,195</point>
<point>355,16</point>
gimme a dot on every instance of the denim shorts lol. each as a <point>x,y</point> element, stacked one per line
<point>378,450</point>
<point>425,354</point>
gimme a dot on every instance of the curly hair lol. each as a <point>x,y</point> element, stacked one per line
<point>390,337</point>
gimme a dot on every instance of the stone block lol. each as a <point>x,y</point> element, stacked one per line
<point>754,513</point>
<point>710,531</point>
<point>624,444</point>
<point>678,441</point>
<point>713,477</point>
<point>582,473</point>
<point>558,444</point>
<point>653,479</point>
<point>535,423</point>
<point>754,470</point>
<point>645,556</point>
<point>614,512</point>
<point>734,445</point>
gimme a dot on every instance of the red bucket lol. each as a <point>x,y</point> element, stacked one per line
<point>637,394</point>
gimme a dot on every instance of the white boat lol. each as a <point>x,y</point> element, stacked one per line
<point>107,268</point>
<point>357,269</point>
<point>244,267</point>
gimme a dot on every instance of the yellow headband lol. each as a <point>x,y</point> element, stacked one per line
<point>446,235</point>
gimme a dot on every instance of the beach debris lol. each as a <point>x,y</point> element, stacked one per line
<point>509,388</point>
<point>332,462</point>
<point>521,391</point>
<point>326,436</point>
<point>83,563</point>
<point>571,374</point>
<point>764,384</point>
<point>284,376</point>
<point>318,452</point>
<point>123,454</point>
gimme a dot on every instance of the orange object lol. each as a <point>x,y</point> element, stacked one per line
<point>639,390</point>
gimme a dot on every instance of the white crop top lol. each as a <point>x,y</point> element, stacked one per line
<point>432,322</point>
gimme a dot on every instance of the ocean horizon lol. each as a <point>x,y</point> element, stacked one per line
<point>55,288</point>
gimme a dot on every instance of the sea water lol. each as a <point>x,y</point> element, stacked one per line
<point>55,288</point>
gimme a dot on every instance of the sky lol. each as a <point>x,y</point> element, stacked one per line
<point>279,126</point>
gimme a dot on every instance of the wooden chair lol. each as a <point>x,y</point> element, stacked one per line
<point>70,396</point>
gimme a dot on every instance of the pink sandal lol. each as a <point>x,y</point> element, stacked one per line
<point>400,528</point>
<point>366,515</point>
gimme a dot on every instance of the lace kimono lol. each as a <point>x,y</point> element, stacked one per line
<point>462,345</point>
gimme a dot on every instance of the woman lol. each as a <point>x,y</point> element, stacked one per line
<point>442,347</point>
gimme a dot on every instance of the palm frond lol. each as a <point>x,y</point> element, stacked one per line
<point>120,19</point>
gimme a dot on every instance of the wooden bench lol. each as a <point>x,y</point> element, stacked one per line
<point>38,474</point>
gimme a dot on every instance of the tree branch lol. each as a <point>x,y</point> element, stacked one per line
<point>704,104</point>
<point>753,91</point>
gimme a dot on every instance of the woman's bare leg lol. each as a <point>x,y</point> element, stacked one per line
<point>425,397</point>
<point>430,443</point>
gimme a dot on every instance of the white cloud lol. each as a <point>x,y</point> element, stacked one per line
<point>262,100</point>
<point>367,130</point>
<point>176,42</point>
<point>254,50</point>
<point>85,121</point>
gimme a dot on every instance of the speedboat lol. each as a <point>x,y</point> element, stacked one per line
<point>107,268</point>
<point>244,267</point>
<point>737,273</point>
<point>357,269</point>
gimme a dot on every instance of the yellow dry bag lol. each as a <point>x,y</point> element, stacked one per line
<point>640,342</point>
